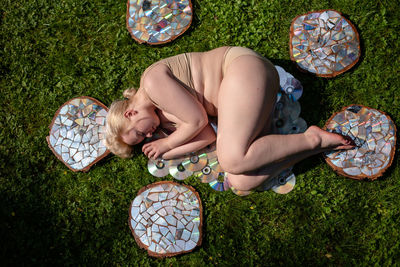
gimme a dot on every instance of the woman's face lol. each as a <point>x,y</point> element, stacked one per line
<point>141,124</point>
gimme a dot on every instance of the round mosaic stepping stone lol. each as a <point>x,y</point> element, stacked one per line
<point>158,21</point>
<point>374,134</point>
<point>324,42</point>
<point>77,131</point>
<point>166,219</point>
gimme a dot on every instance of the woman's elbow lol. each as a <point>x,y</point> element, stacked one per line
<point>201,122</point>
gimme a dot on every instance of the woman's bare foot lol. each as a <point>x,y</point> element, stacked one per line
<point>324,140</point>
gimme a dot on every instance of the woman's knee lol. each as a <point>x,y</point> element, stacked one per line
<point>237,182</point>
<point>245,182</point>
<point>230,161</point>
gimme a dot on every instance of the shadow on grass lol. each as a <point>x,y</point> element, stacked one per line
<point>42,224</point>
<point>29,230</point>
<point>313,104</point>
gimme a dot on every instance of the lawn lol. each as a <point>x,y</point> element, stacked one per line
<point>52,51</point>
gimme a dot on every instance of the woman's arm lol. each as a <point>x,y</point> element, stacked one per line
<point>170,96</point>
<point>203,139</point>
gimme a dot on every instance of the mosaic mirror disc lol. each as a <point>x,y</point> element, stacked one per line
<point>77,133</point>
<point>374,135</point>
<point>166,219</point>
<point>324,43</point>
<point>158,21</point>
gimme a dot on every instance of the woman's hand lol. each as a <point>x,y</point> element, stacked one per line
<point>156,148</point>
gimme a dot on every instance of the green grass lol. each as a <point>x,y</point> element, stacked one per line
<point>52,51</point>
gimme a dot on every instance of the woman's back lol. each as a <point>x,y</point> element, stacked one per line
<point>207,76</point>
<point>200,73</point>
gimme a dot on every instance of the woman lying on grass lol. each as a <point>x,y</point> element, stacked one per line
<point>234,84</point>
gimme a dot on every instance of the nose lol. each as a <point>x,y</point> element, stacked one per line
<point>149,135</point>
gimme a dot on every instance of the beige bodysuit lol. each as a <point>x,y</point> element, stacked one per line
<point>201,73</point>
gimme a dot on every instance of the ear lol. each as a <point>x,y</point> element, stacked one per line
<point>129,113</point>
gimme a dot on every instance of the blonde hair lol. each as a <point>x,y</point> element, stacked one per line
<point>115,124</point>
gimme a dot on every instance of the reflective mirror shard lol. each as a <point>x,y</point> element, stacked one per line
<point>324,43</point>
<point>172,222</point>
<point>374,134</point>
<point>77,133</point>
<point>158,21</point>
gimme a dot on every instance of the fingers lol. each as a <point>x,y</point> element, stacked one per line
<point>147,150</point>
<point>151,155</point>
<point>150,151</point>
<point>156,155</point>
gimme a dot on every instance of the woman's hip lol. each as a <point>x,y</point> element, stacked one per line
<point>234,52</point>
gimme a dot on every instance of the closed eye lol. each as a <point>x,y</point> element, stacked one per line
<point>140,134</point>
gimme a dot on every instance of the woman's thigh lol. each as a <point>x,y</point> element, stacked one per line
<point>246,100</point>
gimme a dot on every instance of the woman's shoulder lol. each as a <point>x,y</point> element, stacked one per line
<point>154,71</point>
<point>218,50</point>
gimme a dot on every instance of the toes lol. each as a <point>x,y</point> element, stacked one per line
<point>348,141</point>
<point>344,147</point>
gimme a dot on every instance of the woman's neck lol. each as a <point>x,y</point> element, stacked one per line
<point>142,100</point>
